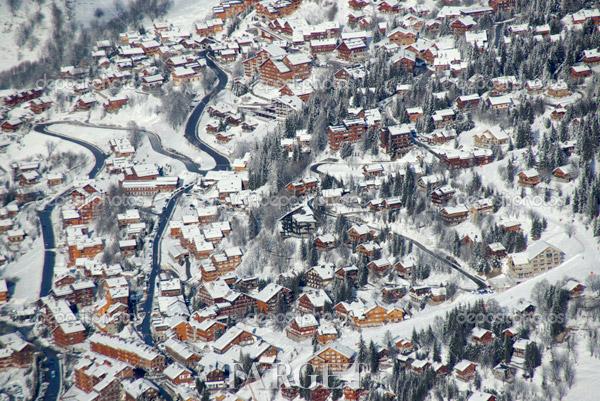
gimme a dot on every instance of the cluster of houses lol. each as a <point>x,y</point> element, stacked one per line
<point>268,10</point>
<point>223,117</point>
<point>33,101</point>
<point>10,229</point>
<point>104,290</point>
<point>194,343</point>
<point>133,57</point>
<point>97,377</point>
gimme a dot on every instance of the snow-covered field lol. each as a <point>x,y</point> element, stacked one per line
<point>10,23</point>
<point>26,272</point>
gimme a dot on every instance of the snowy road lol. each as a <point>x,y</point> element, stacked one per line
<point>221,163</point>
<point>45,214</point>
<point>51,362</point>
<point>191,127</point>
<point>155,142</point>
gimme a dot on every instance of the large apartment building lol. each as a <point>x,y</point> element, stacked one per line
<point>65,327</point>
<point>538,258</point>
<point>131,352</point>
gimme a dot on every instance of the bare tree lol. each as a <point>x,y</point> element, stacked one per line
<point>208,79</point>
<point>135,134</point>
<point>569,373</point>
<point>50,148</point>
<point>332,12</point>
<point>71,159</point>
<point>114,202</point>
<point>237,70</point>
<point>176,103</point>
<point>110,253</point>
<point>593,343</point>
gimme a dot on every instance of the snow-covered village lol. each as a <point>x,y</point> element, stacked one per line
<point>311,200</point>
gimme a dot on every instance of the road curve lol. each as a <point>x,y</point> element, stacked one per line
<point>155,142</point>
<point>45,215</point>
<point>191,126</point>
<point>315,169</point>
<point>99,155</point>
<point>51,362</point>
<point>221,163</point>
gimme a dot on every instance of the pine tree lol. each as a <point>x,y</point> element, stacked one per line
<point>455,349</point>
<point>253,226</point>
<point>306,381</point>
<point>523,137</point>
<point>558,309</point>
<point>456,244</point>
<point>533,358</point>
<point>363,278</point>
<point>304,250</point>
<point>414,337</point>
<point>536,228</point>
<point>373,357</point>
<point>341,227</point>
<point>531,162</point>
<point>346,150</point>
<point>508,349</point>
<point>362,350</point>
<point>437,357</point>
<point>327,182</point>
<point>282,307</point>
<point>313,254</point>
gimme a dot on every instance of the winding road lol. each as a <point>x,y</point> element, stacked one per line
<point>191,127</point>
<point>163,221</point>
<point>221,163</point>
<point>481,284</point>
<point>154,139</point>
<point>45,215</point>
<point>53,376</point>
<point>51,363</point>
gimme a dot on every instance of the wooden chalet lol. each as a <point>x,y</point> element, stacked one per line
<point>338,358</point>
<point>529,178</point>
<point>465,370</point>
<point>454,214</point>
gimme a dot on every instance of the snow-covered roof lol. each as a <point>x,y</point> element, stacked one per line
<point>268,292</point>
<point>174,370</point>
<point>325,271</point>
<point>480,396</point>
<point>318,298</point>
<point>306,320</point>
<point>478,332</point>
<point>462,365</point>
